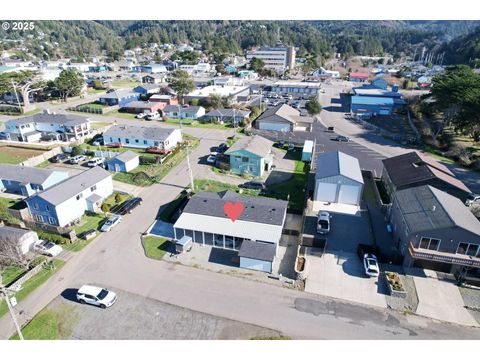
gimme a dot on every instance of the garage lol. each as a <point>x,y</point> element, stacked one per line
<point>338,179</point>
<point>256,255</point>
<point>349,194</point>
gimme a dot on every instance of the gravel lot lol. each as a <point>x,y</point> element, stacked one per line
<point>139,318</point>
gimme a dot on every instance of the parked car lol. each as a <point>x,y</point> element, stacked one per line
<point>472,199</point>
<point>222,148</point>
<point>323,222</point>
<point>59,158</point>
<point>129,205</point>
<point>110,223</point>
<point>98,141</point>
<point>95,161</point>
<point>289,97</point>
<point>265,100</point>
<point>370,265</point>
<point>276,103</point>
<point>97,296</point>
<point>153,116</point>
<point>115,145</point>
<point>77,159</point>
<point>89,234</point>
<point>291,147</point>
<point>296,105</point>
<point>47,248</point>
<point>141,115</point>
<point>255,185</point>
<point>157,150</point>
<point>342,138</point>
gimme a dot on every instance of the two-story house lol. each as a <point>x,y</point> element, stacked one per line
<point>251,155</point>
<point>66,202</point>
<point>27,180</point>
<point>142,137</point>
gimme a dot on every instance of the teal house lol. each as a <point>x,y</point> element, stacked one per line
<point>250,155</point>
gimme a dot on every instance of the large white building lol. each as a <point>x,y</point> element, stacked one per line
<point>276,58</point>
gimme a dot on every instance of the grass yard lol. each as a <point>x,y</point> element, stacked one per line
<point>197,124</point>
<point>33,283</point>
<point>43,164</point>
<point>155,247</point>
<point>16,155</point>
<point>11,274</point>
<point>92,91</point>
<point>98,125</point>
<point>436,154</point>
<point>216,186</point>
<point>125,83</point>
<point>51,324</point>
<point>123,115</point>
<point>4,214</point>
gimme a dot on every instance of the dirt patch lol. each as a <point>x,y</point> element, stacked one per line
<point>15,155</point>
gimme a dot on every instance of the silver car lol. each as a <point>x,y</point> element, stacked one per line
<point>323,222</point>
<point>110,223</point>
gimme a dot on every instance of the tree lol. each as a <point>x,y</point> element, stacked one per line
<point>119,198</point>
<point>24,83</point>
<point>69,83</point>
<point>313,106</point>
<point>181,83</point>
<point>257,64</point>
<point>105,208</point>
<point>220,68</point>
<point>76,150</point>
<point>10,255</point>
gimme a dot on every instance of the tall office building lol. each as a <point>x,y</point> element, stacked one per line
<point>276,58</point>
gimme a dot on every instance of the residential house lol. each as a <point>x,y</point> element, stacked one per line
<point>372,105</point>
<point>66,202</point>
<point>358,76</point>
<point>120,98</point>
<point>26,181</point>
<point>142,137</point>
<point>250,155</point>
<point>414,169</point>
<point>283,118</point>
<point>143,106</point>
<point>20,240</point>
<point>338,179</point>
<point>166,99</point>
<point>147,89</point>
<point>154,78</point>
<point>227,115</point>
<point>435,230</point>
<point>261,223</point>
<point>48,125</point>
<point>125,65</point>
<point>124,162</point>
<point>322,72</point>
<point>179,112</point>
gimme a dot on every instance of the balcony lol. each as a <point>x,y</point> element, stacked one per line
<point>449,258</point>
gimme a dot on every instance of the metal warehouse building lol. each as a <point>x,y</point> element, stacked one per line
<point>372,105</point>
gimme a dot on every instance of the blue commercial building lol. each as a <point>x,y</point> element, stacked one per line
<point>372,105</point>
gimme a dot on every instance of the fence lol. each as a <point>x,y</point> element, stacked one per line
<point>17,285</point>
<point>42,157</point>
<point>85,108</point>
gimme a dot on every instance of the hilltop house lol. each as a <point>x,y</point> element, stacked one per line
<point>26,180</point>
<point>142,137</point>
<point>251,155</point>
<point>66,202</point>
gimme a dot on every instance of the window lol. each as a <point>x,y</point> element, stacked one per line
<point>79,196</point>
<point>47,207</point>
<point>429,244</point>
<point>51,220</point>
<point>127,141</point>
<point>136,141</point>
<point>244,159</point>
<point>111,139</point>
<point>93,188</point>
<point>468,249</point>
<point>39,218</point>
<point>145,142</point>
<point>35,206</point>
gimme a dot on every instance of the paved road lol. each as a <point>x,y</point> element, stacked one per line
<point>116,259</point>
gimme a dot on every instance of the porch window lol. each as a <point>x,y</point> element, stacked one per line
<point>468,249</point>
<point>429,244</point>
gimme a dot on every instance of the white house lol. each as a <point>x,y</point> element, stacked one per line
<point>338,179</point>
<point>142,137</point>
<point>189,112</point>
<point>20,240</point>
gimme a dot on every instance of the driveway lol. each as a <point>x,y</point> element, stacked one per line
<point>163,229</point>
<point>440,299</point>
<point>136,317</point>
<point>340,275</point>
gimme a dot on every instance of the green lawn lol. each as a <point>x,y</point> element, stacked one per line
<point>43,164</point>
<point>93,106</point>
<point>197,124</point>
<point>216,186</point>
<point>155,247</point>
<point>125,83</point>
<point>95,91</point>
<point>4,215</point>
<point>98,125</point>
<point>435,153</point>
<point>10,274</point>
<point>120,114</point>
<point>33,283</point>
<point>51,324</point>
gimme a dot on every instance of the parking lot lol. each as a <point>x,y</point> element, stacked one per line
<point>134,317</point>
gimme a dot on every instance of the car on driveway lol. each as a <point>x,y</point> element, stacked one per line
<point>110,223</point>
<point>141,115</point>
<point>97,296</point>
<point>129,205</point>
<point>95,161</point>
<point>47,248</point>
<point>370,265</point>
<point>254,185</point>
<point>342,138</point>
<point>153,116</point>
<point>472,199</point>
<point>323,222</point>
<point>98,141</point>
<point>77,159</point>
<point>58,158</point>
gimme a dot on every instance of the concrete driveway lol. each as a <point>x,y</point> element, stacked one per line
<point>440,299</point>
<point>340,275</point>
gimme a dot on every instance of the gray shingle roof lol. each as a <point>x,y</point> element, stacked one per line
<point>118,94</point>
<point>139,132</point>
<point>228,113</point>
<point>427,208</point>
<point>140,104</point>
<point>257,145</point>
<point>412,168</point>
<point>186,110</point>
<point>257,250</point>
<point>127,156</point>
<point>148,86</point>
<point>10,233</point>
<point>70,187</point>
<point>338,163</point>
<point>65,119</point>
<point>256,209</point>
<point>24,174</point>
<point>281,112</point>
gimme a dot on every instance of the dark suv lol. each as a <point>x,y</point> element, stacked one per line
<point>255,185</point>
<point>129,205</point>
<point>59,158</point>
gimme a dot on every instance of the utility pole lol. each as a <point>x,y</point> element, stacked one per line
<point>189,169</point>
<point>4,291</point>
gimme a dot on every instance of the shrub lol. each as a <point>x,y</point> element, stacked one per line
<point>147,160</point>
<point>119,198</point>
<point>105,208</point>
<point>55,238</point>
<point>77,150</point>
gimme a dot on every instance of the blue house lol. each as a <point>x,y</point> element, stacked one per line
<point>26,180</point>
<point>146,89</point>
<point>125,162</point>
<point>372,105</point>
<point>251,155</point>
<point>66,202</point>
<point>120,98</point>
